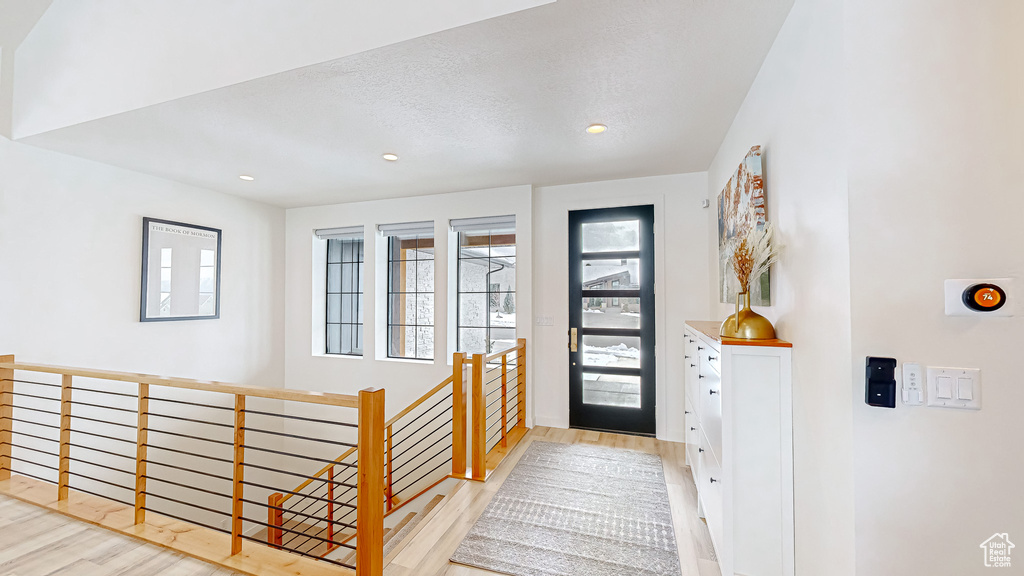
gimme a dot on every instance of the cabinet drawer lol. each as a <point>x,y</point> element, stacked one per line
<point>709,359</point>
<point>711,410</point>
<point>692,424</point>
<point>691,366</point>
<point>710,494</point>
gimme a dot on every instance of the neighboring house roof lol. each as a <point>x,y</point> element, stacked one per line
<point>597,273</point>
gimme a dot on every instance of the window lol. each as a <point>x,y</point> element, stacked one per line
<point>343,313</point>
<point>410,290</point>
<point>345,296</point>
<point>487,284</point>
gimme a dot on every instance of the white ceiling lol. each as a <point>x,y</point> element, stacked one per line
<point>495,103</point>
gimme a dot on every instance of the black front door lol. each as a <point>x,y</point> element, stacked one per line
<point>611,319</point>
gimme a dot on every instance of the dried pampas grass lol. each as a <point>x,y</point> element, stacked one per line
<point>753,254</point>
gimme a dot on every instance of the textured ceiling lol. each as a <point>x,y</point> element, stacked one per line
<point>500,102</point>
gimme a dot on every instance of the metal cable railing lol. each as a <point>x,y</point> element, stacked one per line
<point>203,453</point>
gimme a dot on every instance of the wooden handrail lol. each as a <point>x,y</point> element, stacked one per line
<point>520,345</point>
<point>322,471</point>
<point>371,433</point>
<point>482,460</point>
<point>417,403</point>
<point>326,398</point>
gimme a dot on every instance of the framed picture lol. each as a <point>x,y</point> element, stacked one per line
<point>742,205</point>
<point>180,271</point>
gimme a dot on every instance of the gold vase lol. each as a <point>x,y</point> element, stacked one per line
<point>745,323</point>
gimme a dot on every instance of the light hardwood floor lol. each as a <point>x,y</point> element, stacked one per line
<point>38,542</point>
<point>426,553</point>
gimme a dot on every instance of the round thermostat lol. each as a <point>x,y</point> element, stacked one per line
<point>984,297</point>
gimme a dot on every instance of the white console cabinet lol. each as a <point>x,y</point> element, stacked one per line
<point>739,445</point>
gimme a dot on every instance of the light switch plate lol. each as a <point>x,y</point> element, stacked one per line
<point>957,377</point>
<point>913,384</point>
<point>954,290</point>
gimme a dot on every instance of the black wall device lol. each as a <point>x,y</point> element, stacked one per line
<point>880,382</point>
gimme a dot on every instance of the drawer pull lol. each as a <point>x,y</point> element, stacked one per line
<point>687,357</point>
<point>700,375</point>
<point>693,365</point>
<point>692,429</point>
<point>712,357</point>
<point>700,348</point>
<point>713,480</point>
<point>701,450</point>
<point>712,391</point>
<point>686,411</point>
<point>690,341</point>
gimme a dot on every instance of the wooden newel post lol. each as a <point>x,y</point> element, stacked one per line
<point>479,420</point>
<point>275,517</point>
<point>521,384</point>
<point>140,454</point>
<point>370,485</point>
<point>458,415</point>
<point>239,475</point>
<point>64,464</point>
<point>6,413</point>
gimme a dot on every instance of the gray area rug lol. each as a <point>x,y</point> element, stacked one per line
<point>577,510</point>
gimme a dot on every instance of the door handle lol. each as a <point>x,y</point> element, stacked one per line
<point>572,340</point>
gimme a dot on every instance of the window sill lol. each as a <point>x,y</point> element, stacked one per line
<point>340,356</point>
<point>407,360</point>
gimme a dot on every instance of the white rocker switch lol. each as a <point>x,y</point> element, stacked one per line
<point>964,389</point>
<point>954,388</point>
<point>944,388</point>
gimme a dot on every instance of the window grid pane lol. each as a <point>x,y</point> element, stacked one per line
<point>344,312</point>
<point>411,297</point>
<point>486,317</point>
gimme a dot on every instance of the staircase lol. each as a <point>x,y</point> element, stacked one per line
<point>397,534</point>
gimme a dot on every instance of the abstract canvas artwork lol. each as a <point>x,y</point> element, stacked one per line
<point>741,206</point>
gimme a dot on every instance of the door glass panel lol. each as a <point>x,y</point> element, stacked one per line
<point>611,313</point>
<point>611,236</point>
<point>621,274</point>
<point>611,390</point>
<point>611,351</point>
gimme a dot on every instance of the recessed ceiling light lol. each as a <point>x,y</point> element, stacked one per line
<point>596,128</point>
<point>246,177</point>
<point>390,157</point>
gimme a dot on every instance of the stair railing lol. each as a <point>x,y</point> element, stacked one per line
<point>203,454</point>
<point>499,406</point>
<point>419,443</point>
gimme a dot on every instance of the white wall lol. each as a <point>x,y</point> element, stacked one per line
<point>70,272</point>
<point>680,274</point>
<point>795,110</point>
<point>405,380</point>
<point>937,113</point>
<point>88,60</point>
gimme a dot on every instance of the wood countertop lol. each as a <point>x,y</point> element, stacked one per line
<point>710,329</point>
